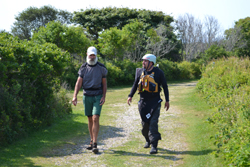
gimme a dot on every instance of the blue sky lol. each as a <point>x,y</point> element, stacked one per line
<point>226,11</point>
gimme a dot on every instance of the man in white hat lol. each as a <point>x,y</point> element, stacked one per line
<point>92,78</point>
<point>148,81</point>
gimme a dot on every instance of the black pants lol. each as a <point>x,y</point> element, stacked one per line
<point>150,130</point>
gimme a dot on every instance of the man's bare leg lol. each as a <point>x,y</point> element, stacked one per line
<point>95,130</point>
<point>95,127</point>
<point>90,126</point>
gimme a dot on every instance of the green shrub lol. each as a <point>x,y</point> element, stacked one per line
<point>189,70</point>
<point>30,76</point>
<point>115,74</point>
<point>180,71</point>
<point>225,84</point>
<point>123,72</point>
<point>70,75</point>
<point>169,68</point>
<point>129,69</point>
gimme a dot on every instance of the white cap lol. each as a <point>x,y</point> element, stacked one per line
<point>91,50</point>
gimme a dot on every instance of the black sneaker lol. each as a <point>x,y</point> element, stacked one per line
<point>90,146</point>
<point>95,149</point>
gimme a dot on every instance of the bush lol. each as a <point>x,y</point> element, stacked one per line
<point>115,75</point>
<point>70,75</point>
<point>29,79</point>
<point>169,68</point>
<point>225,84</point>
<point>123,72</point>
<point>189,70</point>
<point>180,71</point>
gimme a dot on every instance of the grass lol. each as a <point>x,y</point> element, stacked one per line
<point>42,147</point>
<point>197,131</point>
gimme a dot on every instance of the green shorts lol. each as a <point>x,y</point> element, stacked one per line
<point>92,105</point>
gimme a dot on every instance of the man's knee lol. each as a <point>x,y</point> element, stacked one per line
<point>95,118</point>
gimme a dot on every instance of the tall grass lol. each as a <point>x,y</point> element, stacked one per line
<point>225,84</point>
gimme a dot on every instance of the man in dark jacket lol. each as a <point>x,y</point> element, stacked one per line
<point>148,81</point>
<point>92,78</point>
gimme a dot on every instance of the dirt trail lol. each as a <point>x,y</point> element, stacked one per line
<point>124,129</point>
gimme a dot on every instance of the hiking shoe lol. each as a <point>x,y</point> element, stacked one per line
<point>153,150</point>
<point>147,144</point>
<point>90,146</point>
<point>95,149</point>
<point>154,147</point>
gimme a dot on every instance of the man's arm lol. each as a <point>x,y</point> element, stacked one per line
<point>104,90</point>
<point>77,88</point>
<point>165,90</point>
<point>135,85</point>
<point>133,90</point>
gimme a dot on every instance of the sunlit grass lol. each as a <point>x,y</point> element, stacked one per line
<point>197,131</point>
<point>35,149</point>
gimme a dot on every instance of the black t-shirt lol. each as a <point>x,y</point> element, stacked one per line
<point>158,77</point>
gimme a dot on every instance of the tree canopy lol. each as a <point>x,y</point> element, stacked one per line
<point>68,38</point>
<point>97,20</point>
<point>244,24</point>
<point>32,18</point>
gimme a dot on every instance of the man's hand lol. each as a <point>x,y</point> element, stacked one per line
<point>167,105</point>
<point>74,101</point>
<point>102,101</point>
<point>129,100</point>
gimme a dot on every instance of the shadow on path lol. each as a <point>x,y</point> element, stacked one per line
<point>127,153</point>
<point>194,153</point>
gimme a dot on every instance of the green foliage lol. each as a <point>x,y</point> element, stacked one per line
<point>97,20</point>
<point>111,43</point>
<point>128,69</point>
<point>29,75</point>
<point>68,38</point>
<point>244,24</point>
<point>120,72</point>
<point>70,74</point>
<point>212,53</point>
<point>226,86</point>
<point>32,18</point>
<point>123,72</point>
<point>215,52</point>
<point>117,44</point>
<point>179,71</point>
<point>189,70</point>
<point>169,68</point>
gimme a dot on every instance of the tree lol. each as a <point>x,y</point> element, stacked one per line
<point>111,43</point>
<point>135,40</point>
<point>136,35</point>
<point>32,18</point>
<point>97,20</point>
<point>163,41</point>
<point>212,30</point>
<point>244,25</point>
<point>191,35</point>
<point>196,36</point>
<point>68,38</point>
<point>215,52</point>
<point>234,39</point>
<point>125,43</point>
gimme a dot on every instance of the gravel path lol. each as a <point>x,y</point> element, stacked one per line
<point>127,122</point>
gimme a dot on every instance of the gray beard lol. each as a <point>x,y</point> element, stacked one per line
<point>90,62</point>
